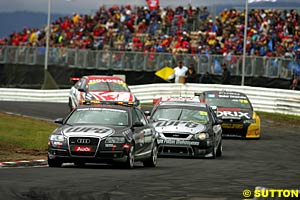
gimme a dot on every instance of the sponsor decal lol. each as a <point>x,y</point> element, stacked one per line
<point>231,93</point>
<point>229,109</point>
<point>109,96</point>
<point>88,129</point>
<point>234,126</point>
<point>178,142</point>
<point>203,113</point>
<point>83,148</point>
<point>106,81</point>
<point>109,145</point>
<point>232,114</point>
<point>176,123</point>
<point>126,132</point>
<point>232,97</point>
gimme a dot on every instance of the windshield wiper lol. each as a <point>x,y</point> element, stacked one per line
<point>180,114</point>
<point>68,124</point>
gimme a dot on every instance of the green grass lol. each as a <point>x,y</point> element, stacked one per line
<point>287,120</point>
<point>279,116</point>
<point>23,132</point>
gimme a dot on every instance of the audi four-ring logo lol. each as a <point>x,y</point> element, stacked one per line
<point>83,141</point>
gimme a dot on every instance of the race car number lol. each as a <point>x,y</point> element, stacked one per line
<point>82,148</point>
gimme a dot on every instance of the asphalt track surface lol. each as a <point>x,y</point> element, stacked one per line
<point>271,162</point>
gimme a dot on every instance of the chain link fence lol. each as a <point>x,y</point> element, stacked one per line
<point>272,67</point>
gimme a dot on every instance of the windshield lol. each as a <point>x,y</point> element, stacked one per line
<point>184,114</point>
<point>229,103</point>
<point>101,116</point>
<point>108,86</point>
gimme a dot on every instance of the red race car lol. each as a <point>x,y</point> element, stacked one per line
<point>103,88</point>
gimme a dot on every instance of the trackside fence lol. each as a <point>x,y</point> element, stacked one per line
<point>263,99</point>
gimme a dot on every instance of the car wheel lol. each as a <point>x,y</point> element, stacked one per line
<point>54,163</point>
<point>130,158</point>
<point>152,160</point>
<point>214,152</point>
<point>219,149</point>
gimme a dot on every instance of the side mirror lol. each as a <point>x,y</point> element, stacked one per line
<point>214,108</point>
<point>82,89</point>
<point>147,113</point>
<point>138,124</point>
<point>219,121</point>
<point>59,121</point>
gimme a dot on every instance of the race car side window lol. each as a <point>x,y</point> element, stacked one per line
<point>134,117</point>
<point>141,116</point>
<point>78,84</point>
<point>82,84</point>
<point>137,116</point>
<point>213,115</point>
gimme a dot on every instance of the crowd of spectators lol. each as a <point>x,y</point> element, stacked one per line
<point>270,32</point>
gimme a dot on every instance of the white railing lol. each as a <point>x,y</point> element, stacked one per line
<point>263,99</point>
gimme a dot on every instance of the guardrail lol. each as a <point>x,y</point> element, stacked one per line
<point>263,99</point>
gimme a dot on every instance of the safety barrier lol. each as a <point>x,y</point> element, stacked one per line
<point>263,99</point>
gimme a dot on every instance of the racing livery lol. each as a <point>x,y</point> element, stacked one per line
<point>103,133</point>
<point>186,128</point>
<point>236,112</point>
<point>102,88</point>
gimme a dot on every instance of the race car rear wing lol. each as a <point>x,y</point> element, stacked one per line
<point>197,93</point>
<point>174,99</point>
<point>74,79</point>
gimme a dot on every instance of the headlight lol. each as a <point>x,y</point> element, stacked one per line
<point>58,138</point>
<point>115,140</point>
<point>202,136</point>
<point>250,121</point>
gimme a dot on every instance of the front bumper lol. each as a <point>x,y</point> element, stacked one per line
<point>241,131</point>
<point>96,151</point>
<point>64,155</point>
<point>185,148</point>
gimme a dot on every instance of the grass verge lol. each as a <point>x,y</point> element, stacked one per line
<point>23,137</point>
<point>279,119</point>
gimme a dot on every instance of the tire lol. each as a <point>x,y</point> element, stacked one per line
<point>152,160</point>
<point>219,149</point>
<point>54,163</point>
<point>129,164</point>
<point>214,153</point>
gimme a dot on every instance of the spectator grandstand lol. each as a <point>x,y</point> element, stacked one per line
<point>271,33</point>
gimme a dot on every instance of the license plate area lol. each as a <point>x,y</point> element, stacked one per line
<point>83,149</point>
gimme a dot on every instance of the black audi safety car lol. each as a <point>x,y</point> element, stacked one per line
<point>186,127</point>
<point>236,111</point>
<point>103,132</point>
